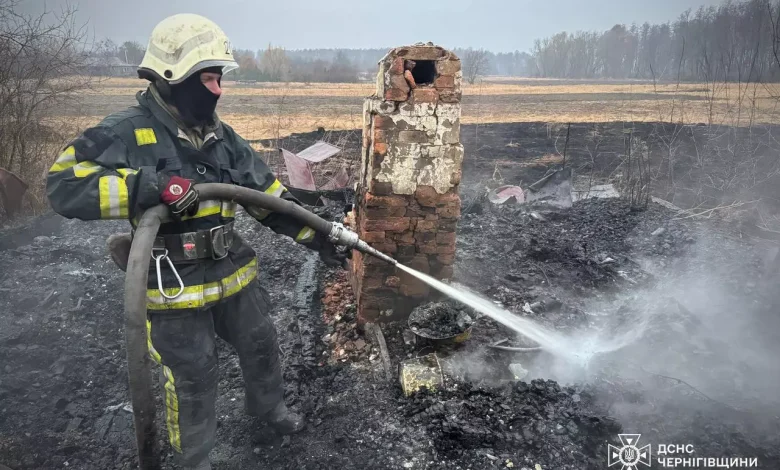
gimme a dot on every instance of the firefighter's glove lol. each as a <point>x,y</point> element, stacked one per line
<point>330,254</point>
<point>179,195</point>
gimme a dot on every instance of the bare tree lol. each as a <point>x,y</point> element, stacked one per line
<point>475,64</point>
<point>275,64</point>
<point>41,57</point>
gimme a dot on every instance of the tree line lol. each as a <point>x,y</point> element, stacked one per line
<point>736,41</point>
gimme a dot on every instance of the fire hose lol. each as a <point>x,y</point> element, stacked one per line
<point>136,278</point>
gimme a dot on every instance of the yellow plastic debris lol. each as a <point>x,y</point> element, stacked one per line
<point>421,372</point>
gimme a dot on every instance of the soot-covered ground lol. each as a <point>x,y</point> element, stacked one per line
<point>694,326</point>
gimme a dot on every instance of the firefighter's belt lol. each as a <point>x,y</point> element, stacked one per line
<point>203,244</point>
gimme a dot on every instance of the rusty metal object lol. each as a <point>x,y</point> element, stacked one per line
<point>12,189</point>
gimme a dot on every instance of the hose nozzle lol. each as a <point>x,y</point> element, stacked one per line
<point>341,235</point>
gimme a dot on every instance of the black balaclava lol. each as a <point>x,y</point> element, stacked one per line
<point>195,103</point>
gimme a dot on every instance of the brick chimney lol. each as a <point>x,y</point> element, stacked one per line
<point>407,202</point>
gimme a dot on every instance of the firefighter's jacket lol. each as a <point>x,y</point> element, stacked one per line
<point>110,172</point>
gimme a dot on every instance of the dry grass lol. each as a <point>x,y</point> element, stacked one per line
<point>275,110</point>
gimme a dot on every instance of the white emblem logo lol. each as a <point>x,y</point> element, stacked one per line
<point>629,455</point>
<point>175,189</point>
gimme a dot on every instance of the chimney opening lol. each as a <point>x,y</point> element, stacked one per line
<point>423,71</point>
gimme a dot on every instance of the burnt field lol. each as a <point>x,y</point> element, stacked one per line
<point>683,300</point>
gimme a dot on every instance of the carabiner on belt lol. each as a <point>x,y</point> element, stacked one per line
<point>158,261</point>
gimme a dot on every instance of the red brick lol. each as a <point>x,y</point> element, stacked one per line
<point>380,136</point>
<point>424,237</point>
<point>431,217</point>
<point>410,285</point>
<point>444,81</point>
<point>446,259</point>
<point>446,272</point>
<point>426,196</point>
<point>372,200</point>
<point>373,237</point>
<point>380,148</point>
<point>382,212</point>
<point>399,82</point>
<point>386,247</point>
<point>406,253</point>
<point>381,188</point>
<point>394,94</point>
<point>448,225</point>
<point>426,226</point>
<point>376,160</point>
<point>380,299</point>
<point>371,282</point>
<point>445,249</point>
<point>444,238</point>
<point>383,122</point>
<point>456,177</point>
<point>451,211</point>
<point>392,281</point>
<point>405,238</point>
<point>397,66</point>
<point>428,248</point>
<point>389,224</point>
<point>449,96</point>
<point>447,66</point>
<point>425,95</point>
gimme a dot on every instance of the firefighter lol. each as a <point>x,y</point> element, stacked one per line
<point>206,283</point>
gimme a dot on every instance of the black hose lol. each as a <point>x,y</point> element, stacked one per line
<point>136,279</point>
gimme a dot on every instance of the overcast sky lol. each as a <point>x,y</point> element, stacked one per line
<point>498,25</point>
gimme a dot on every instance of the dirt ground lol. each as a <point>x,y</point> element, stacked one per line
<point>687,321</point>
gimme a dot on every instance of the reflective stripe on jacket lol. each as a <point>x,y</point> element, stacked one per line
<point>110,172</point>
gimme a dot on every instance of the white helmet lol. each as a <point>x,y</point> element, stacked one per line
<point>183,44</point>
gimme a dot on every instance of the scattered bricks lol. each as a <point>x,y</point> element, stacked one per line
<point>447,66</point>
<point>393,281</point>
<point>425,95</point>
<point>395,94</point>
<point>385,201</point>
<point>398,82</point>
<point>445,238</point>
<point>444,81</point>
<point>389,224</point>
<point>381,212</point>
<point>373,237</point>
<point>424,226</point>
<point>412,137</point>
<point>397,66</point>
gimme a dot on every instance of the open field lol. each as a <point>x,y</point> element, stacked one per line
<point>277,110</point>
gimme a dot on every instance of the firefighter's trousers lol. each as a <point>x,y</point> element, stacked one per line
<point>184,343</point>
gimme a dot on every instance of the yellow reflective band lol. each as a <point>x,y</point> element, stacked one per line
<point>229,209</point>
<point>152,352</point>
<point>84,169</point>
<point>202,294</point>
<point>205,209</point>
<point>145,136</point>
<point>171,399</point>
<point>258,213</point>
<point>305,236</point>
<point>172,410</point>
<point>125,172</point>
<point>113,197</point>
<point>276,189</point>
<point>66,160</point>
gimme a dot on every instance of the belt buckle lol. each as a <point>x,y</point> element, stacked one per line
<point>218,245</point>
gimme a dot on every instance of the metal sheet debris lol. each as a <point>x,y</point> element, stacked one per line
<point>319,152</point>
<point>298,171</point>
<point>504,194</point>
